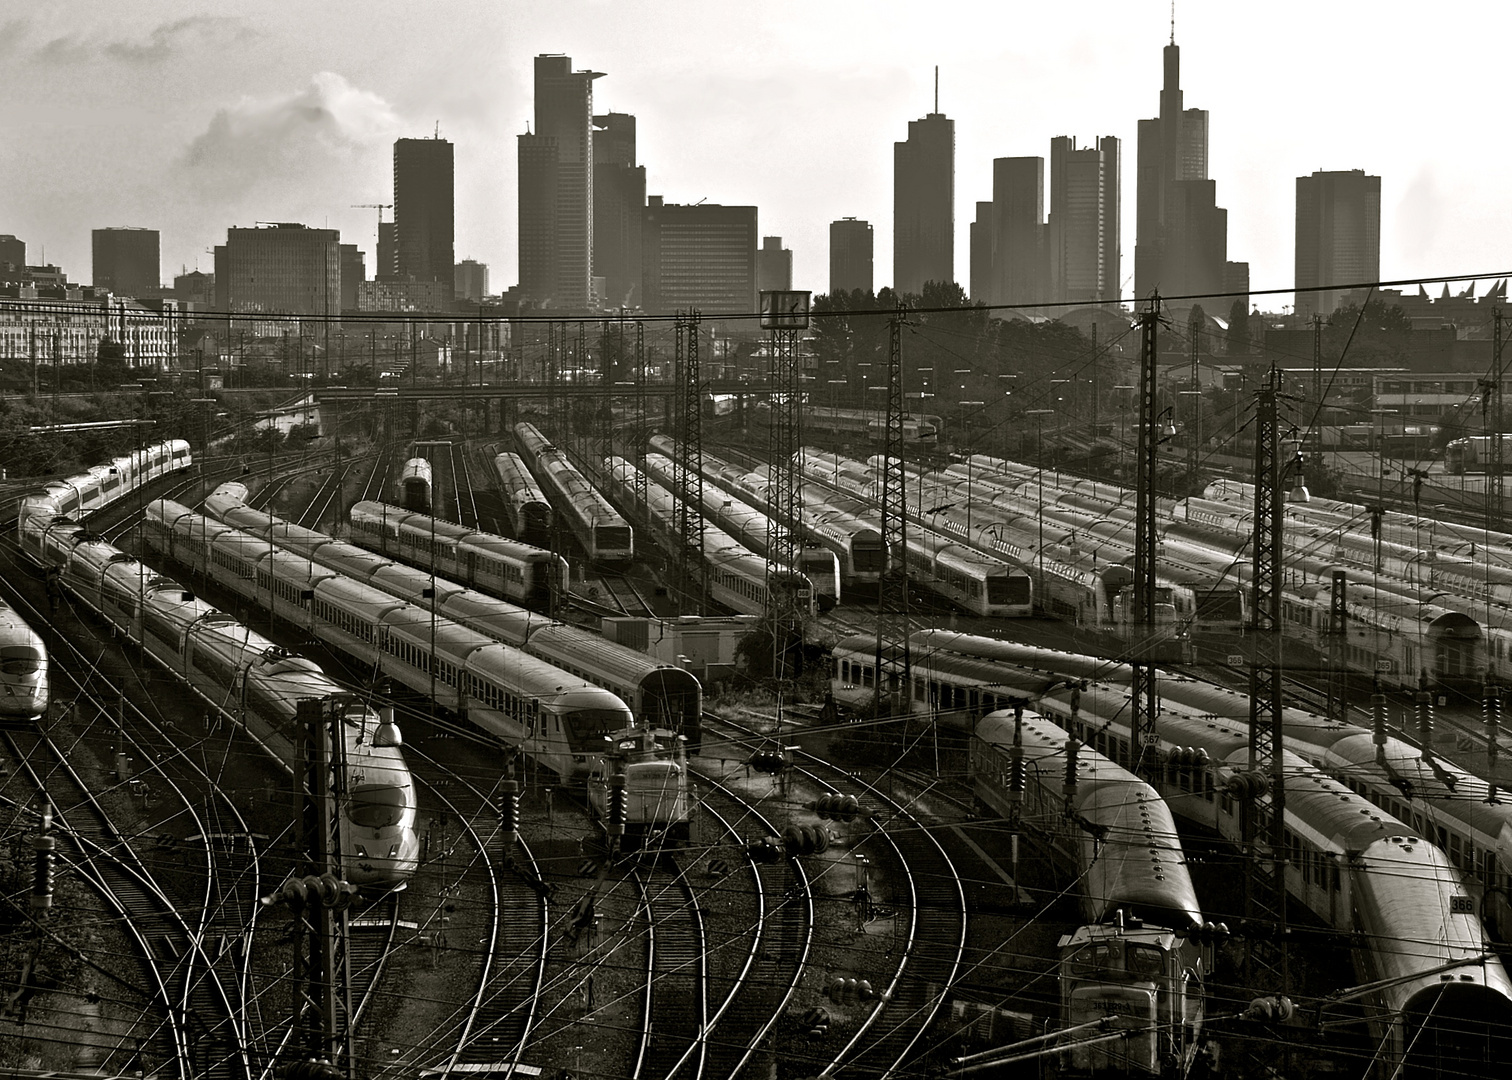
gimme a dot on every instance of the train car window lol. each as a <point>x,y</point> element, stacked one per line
<point>1144,961</point>
<point>19,660</point>
<point>377,806</point>
<point>1092,959</point>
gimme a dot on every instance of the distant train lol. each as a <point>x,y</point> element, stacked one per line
<point>605,535</point>
<point>100,485</point>
<point>849,424</point>
<point>252,681</point>
<point>548,713</point>
<point>660,694</point>
<point>1137,959</point>
<point>528,510</point>
<point>415,483</point>
<point>1472,454</point>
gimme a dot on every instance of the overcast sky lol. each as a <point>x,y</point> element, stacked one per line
<point>188,118</point>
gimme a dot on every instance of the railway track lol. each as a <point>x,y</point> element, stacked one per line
<point>676,1005</point>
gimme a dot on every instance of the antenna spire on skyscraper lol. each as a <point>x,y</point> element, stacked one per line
<point>937,85</point>
<point>1173,22</point>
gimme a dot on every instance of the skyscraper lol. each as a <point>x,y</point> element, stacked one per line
<point>619,201</point>
<point>1338,236</point>
<point>701,256</point>
<point>471,280</point>
<point>924,204</point>
<point>774,266</point>
<point>12,253</point>
<point>1018,230</point>
<point>284,268</point>
<point>981,254</point>
<point>1181,241</point>
<point>851,244</point>
<point>126,261</point>
<point>556,187</point>
<point>1082,235</point>
<point>424,211</point>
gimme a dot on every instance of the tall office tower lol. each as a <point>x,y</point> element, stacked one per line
<point>386,262</point>
<point>981,254</point>
<point>1181,240</point>
<point>1018,231</point>
<point>701,256</point>
<point>1338,236</point>
<point>1083,230</point>
<point>924,204</point>
<point>619,201</point>
<point>851,243</point>
<point>126,261</point>
<point>194,287</point>
<point>470,280</point>
<point>556,188</point>
<point>774,266</point>
<point>424,211</point>
<point>12,253</point>
<point>353,274</point>
<point>284,268</point>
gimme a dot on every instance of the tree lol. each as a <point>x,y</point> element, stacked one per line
<point>1238,331</point>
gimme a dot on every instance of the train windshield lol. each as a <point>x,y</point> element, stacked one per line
<point>591,726</point>
<point>613,536</point>
<point>1144,961</point>
<point>1008,589</point>
<point>20,660</point>
<point>1221,605</point>
<point>377,806</point>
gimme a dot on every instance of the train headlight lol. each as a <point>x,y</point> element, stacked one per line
<point>361,851</point>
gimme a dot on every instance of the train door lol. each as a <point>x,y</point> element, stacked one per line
<point>1457,644</point>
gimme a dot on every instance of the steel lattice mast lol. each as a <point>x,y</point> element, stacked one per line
<point>638,453</point>
<point>688,470</point>
<point>892,659</point>
<point>784,315</point>
<point>1142,734</point>
<point>1265,811</point>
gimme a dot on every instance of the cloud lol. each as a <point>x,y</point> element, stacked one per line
<point>1418,216</point>
<point>197,32</point>
<point>11,33</point>
<point>305,136</point>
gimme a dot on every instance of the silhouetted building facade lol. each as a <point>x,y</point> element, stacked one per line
<point>12,254</point>
<point>1082,233</point>
<point>353,274</point>
<point>470,280</point>
<point>619,201</point>
<point>980,288</point>
<point>283,268</point>
<point>425,211</point>
<point>700,257</point>
<point>924,204</point>
<point>1018,231</point>
<point>774,266</point>
<point>194,287</point>
<point>1338,236</point>
<point>126,261</point>
<point>851,254</point>
<point>1181,242</point>
<point>556,188</point>
<point>386,267</point>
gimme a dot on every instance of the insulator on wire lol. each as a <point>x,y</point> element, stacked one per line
<point>616,825</point>
<point>1073,747</point>
<point>509,810</point>
<point>1015,775</point>
<point>44,845</point>
<point>1491,711</point>
<point>1423,706</point>
<point>1378,722</point>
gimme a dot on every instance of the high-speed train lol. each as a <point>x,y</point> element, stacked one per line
<point>545,711</point>
<point>752,529</point>
<point>660,694</point>
<point>253,682</point>
<point>415,485</point>
<point>604,534</point>
<point>99,485</point>
<point>516,571</point>
<point>1137,957</point>
<point>24,684</point>
<point>527,507</point>
<point>736,577</point>
<point>858,423</point>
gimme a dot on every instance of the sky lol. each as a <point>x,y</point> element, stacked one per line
<point>189,118</point>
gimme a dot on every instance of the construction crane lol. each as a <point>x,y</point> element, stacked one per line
<point>378,206</point>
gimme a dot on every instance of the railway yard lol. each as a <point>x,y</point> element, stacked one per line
<point>533,847</point>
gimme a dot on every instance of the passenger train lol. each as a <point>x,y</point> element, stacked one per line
<point>24,684</point>
<point>604,534</point>
<point>555,717</point>
<point>852,424</point>
<point>415,485</point>
<point>1357,853</point>
<point>529,512</point>
<point>752,529</point>
<point>1137,958</point>
<point>75,496</point>
<point>660,694</point>
<point>736,577</point>
<point>253,682</point>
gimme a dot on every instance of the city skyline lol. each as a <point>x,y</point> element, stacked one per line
<point>296,118</point>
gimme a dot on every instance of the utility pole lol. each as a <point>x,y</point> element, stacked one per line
<point>1096,385</point>
<point>1338,640</point>
<point>894,670</point>
<point>1194,436</point>
<point>1496,457</point>
<point>688,519</point>
<point>784,315</point>
<point>1264,814</point>
<point>1142,646</point>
